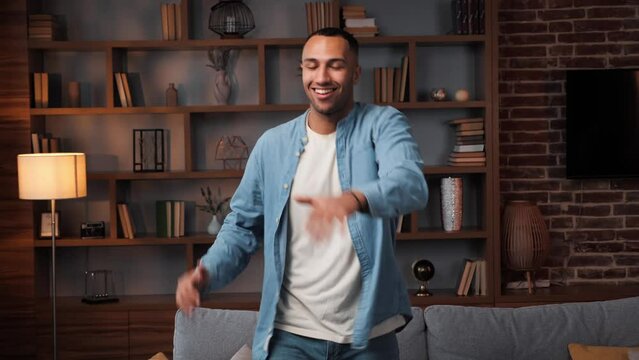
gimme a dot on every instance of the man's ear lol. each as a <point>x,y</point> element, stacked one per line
<point>357,74</point>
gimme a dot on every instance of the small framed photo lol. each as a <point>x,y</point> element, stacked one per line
<point>45,224</point>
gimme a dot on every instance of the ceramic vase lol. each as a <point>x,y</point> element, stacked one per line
<point>452,207</point>
<point>214,226</point>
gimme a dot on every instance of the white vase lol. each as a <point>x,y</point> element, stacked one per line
<point>214,226</point>
<point>222,89</point>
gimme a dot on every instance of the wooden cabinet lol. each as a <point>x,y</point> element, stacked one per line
<point>267,92</point>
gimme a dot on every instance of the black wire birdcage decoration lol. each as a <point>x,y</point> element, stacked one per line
<point>231,19</point>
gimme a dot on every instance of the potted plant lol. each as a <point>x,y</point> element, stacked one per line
<point>216,206</point>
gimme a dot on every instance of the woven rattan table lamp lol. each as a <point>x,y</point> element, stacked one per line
<point>52,176</point>
<point>525,238</point>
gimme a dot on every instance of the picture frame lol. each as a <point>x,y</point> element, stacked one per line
<point>148,150</point>
<point>45,225</point>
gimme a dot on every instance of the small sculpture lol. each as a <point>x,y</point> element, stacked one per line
<point>219,58</point>
<point>423,270</point>
<point>462,95</point>
<point>438,94</point>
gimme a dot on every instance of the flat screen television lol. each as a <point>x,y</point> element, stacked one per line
<point>602,123</point>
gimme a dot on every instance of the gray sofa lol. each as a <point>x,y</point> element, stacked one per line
<point>446,332</point>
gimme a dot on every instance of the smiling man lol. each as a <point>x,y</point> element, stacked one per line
<point>325,213</point>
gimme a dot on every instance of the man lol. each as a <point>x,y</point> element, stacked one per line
<point>322,193</point>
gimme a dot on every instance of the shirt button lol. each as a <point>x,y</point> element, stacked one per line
<point>285,186</point>
<point>305,139</point>
<point>297,153</point>
<point>277,220</point>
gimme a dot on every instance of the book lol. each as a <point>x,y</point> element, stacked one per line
<point>470,154</point>
<point>481,15</point>
<point>164,10</point>
<point>37,90</point>
<point>178,21</point>
<point>477,280</point>
<point>470,132</point>
<point>469,279</point>
<point>403,87</point>
<point>466,159</point>
<point>123,224</point>
<point>483,287</point>
<point>54,144</point>
<point>120,89</point>
<point>389,85</point>
<point>309,24</point>
<point>171,21</point>
<point>400,221</point>
<point>45,90</point>
<point>467,164</point>
<point>472,17</point>
<point>468,148</point>
<point>127,89</point>
<point>397,81</point>
<point>465,120</point>
<point>384,79</point>
<point>129,222</point>
<point>35,143</point>
<point>464,277</point>
<point>161,226</point>
<point>360,23</point>
<point>470,126</point>
<point>359,30</point>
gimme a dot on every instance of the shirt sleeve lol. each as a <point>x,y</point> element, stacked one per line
<point>401,187</point>
<point>242,230</point>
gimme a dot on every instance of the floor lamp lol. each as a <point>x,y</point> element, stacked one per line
<point>52,176</point>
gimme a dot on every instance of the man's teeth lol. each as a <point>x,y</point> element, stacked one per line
<point>323,91</point>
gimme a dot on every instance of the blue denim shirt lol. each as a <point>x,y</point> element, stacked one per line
<point>377,155</point>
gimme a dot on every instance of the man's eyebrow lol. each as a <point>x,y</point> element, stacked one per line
<point>332,60</point>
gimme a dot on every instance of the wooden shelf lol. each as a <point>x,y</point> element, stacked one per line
<point>238,108</point>
<point>168,175</point>
<point>438,234</point>
<point>139,240</point>
<point>445,170</point>
<point>447,297</point>
<point>205,44</point>
<point>556,294</point>
<point>234,301</point>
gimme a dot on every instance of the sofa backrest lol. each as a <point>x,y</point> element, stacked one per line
<point>536,332</point>
<point>212,334</point>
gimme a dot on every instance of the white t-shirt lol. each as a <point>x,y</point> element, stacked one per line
<point>322,283</point>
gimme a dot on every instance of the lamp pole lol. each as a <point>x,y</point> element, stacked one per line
<point>53,281</point>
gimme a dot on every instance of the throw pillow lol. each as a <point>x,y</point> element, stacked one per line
<point>159,356</point>
<point>591,352</point>
<point>243,354</point>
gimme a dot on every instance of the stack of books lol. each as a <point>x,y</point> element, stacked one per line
<point>169,218</point>
<point>123,89</point>
<point>321,14</point>
<point>391,84</point>
<point>44,143</point>
<point>356,22</point>
<point>44,27</point>
<point>470,143</point>
<point>474,272</point>
<point>171,21</point>
<point>46,90</point>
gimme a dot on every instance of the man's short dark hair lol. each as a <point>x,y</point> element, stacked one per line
<point>353,45</point>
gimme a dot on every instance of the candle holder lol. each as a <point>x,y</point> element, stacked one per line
<point>231,19</point>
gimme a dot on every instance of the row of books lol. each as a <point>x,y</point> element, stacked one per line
<point>123,89</point>
<point>46,90</point>
<point>169,218</point>
<point>171,21</point>
<point>391,84</point>
<point>126,222</point>
<point>475,274</point>
<point>321,14</point>
<point>469,149</point>
<point>44,27</point>
<point>469,16</point>
<point>356,22</point>
<point>44,143</point>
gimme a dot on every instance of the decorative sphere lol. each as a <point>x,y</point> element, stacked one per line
<point>462,95</point>
<point>423,270</point>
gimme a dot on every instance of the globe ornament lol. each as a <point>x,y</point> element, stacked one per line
<point>423,270</point>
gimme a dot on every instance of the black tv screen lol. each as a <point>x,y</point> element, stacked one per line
<point>602,123</point>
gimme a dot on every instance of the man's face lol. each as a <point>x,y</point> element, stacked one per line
<point>329,72</point>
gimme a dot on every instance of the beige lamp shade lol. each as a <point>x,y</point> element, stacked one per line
<point>52,176</point>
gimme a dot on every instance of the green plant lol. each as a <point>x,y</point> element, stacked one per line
<point>213,205</point>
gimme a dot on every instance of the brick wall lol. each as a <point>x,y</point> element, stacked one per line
<point>594,224</point>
